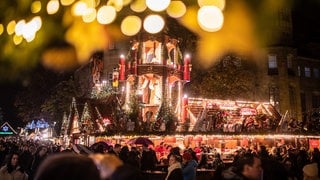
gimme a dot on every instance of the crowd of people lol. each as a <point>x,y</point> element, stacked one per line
<point>43,160</point>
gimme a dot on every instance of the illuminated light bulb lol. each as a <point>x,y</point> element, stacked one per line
<point>219,3</point>
<point>131,25</point>
<point>138,6</point>
<point>17,39</point>
<point>157,5</point>
<point>176,9</point>
<point>11,27</point>
<point>79,8</point>
<point>53,6</point>
<point>1,29</point>
<point>210,18</point>
<point>153,24</point>
<point>106,15</point>
<point>89,15</point>
<point>66,2</point>
<point>36,7</point>
<point>19,27</point>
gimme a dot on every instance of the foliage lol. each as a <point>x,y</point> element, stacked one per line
<point>230,78</point>
<point>32,101</point>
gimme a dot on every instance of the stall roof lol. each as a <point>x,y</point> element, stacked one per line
<point>6,129</point>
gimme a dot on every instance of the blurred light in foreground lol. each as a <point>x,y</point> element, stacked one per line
<point>219,3</point>
<point>157,5</point>
<point>66,2</point>
<point>1,29</point>
<point>106,15</point>
<point>19,27</point>
<point>153,24</point>
<point>117,4</point>
<point>11,27</point>
<point>60,58</point>
<point>176,9</point>
<point>89,15</point>
<point>138,6</point>
<point>17,39</point>
<point>53,6</point>
<point>36,7</point>
<point>131,25</point>
<point>79,8</point>
<point>210,18</point>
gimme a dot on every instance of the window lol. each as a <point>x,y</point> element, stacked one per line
<point>307,72</point>
<point>273,65</point>
<point>316,73</point>
<point>299,71</point>
<point>272,59</point>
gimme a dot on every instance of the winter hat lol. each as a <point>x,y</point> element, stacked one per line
<point>311,170</point>
<point>187,156</point>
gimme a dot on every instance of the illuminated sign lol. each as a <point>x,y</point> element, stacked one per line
<point>6,129</point>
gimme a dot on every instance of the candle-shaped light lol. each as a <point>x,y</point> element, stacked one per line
<point>122,68</point>
<point>184,108</point>
<point>186,72</point>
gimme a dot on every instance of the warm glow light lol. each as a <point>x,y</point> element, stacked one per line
<point>131,25</point>
<point>11,27</point>
<point>36,22</point>
<point>89,15</point>
<point>138,6</point>
<point>19,27</point>
<point>117,4</point>
<point>1,29</point>
<point>157,5</point>
<point>66,2</point>
<point>219,3</point>
<point>106,15</point>
<point>176,9</point>
<point>17,39</point>
<point>29,32</point>
<point>53,6</point>
<point>210,18</point>
<point>36,7</point>
<point>79,8</point>
<point>153,24</point>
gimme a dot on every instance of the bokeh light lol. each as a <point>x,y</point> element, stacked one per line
<point>106,15</point>
<point>1,29</point>
<point>176,9</point>
<point>53,6</point>
<point>66,2</point>
<point>36,7</point>
<point>17,39</point>
<point>131,25</point>
<point>153,24</point>
<point>79,8</point>
<point>11,27</point>
<point>219,3</point>
<point>210,18</point>
<point>138,6</point>
<point>157,5</point>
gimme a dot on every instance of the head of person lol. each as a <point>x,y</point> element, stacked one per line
<point>174,159</point>
<point>186,157</point>
<point>249,166</point>
<point>12,161</point>
<point>67,166</point>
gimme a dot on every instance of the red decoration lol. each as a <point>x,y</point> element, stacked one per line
<point>122,68</point>
<point>186,72</point>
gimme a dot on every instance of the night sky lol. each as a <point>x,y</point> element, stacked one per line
<point>306,31</point>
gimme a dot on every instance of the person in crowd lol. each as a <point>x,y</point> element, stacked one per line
<point>148,159</point>
<point>12,170</point>
<point>115,150</point>
<point>38,157</point>
<point>189,169</point>
<point>310,171</point>
<point>174,169</point>
<point>247,167</point>
<point>112,168</point>
<point>124,153</point>
<point>26,156</point>
<point>67,166</point>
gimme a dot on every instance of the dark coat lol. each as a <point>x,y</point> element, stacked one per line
<point>176,174</point>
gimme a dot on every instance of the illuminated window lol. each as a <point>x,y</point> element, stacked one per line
<point>307,72</point>
<point>272,65</point>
